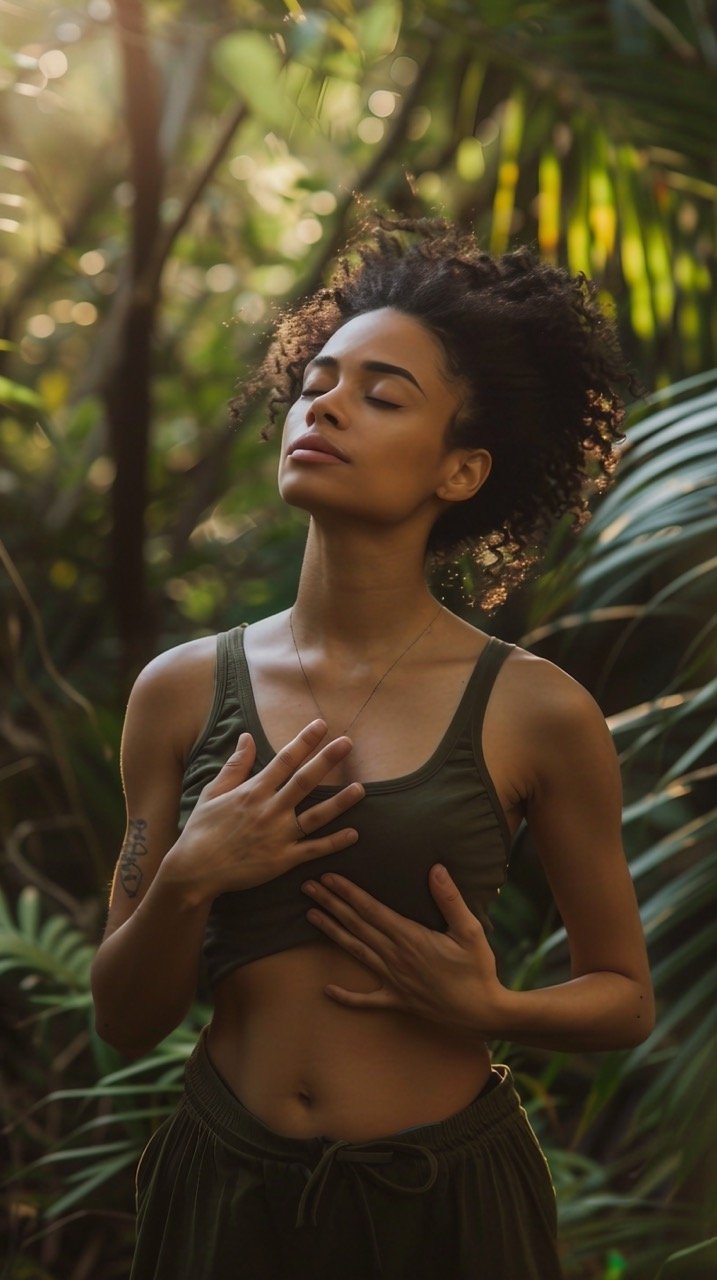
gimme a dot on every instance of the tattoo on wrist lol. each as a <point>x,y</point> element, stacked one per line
<point>134,848</point>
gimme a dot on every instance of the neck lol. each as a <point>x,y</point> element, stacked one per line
<point>360,593</point>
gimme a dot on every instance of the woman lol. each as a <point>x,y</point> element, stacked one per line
<point>342,1115</point>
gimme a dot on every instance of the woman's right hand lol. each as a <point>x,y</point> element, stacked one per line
<point>243,831</point>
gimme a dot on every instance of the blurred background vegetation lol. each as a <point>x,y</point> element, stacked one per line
<point>172,174</point>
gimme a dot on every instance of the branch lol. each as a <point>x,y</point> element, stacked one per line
<point>232,118</point>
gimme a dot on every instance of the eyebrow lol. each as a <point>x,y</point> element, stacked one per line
<point>372,366</point>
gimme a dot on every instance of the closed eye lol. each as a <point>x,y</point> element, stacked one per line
<point>385,404</point>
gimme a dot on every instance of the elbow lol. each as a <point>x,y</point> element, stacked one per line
<point>637,1035</point>
<point>110,1031</point>
<point>644,1029</point>
<point>646,1014</point>
<point>131,1035</point>
<point>643,1020</point>
<point>630,1023</point>
<point>112,1036</point>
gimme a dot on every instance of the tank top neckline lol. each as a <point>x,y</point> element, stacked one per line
<point>265,752</point>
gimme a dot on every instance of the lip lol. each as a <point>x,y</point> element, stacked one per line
<point>314,442</point>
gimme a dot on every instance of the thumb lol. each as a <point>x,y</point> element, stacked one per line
<point>237,768</point>
<point>453,906</point>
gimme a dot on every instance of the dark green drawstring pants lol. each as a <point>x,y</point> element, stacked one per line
<point>222,1197</point>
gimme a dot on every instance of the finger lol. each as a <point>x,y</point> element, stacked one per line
<point>309,775</point>
<point>361,905</point>
<point>319,814</point>
<point>379,999</point>
<point>285,763</point>
<point>461,921</point>
<point>307,850</point>
<point>236,769</point>
<point>382,943</point>
<point>348,941</point>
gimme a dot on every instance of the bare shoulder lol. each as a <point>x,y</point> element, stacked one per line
<point>557,728</point>
<point>177,687</point>
<point>546,693</point>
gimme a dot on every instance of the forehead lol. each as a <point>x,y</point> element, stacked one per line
<point>393,337</point>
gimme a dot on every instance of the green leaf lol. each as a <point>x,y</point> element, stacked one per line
<point>13,394</point>
<point>95,1177</point>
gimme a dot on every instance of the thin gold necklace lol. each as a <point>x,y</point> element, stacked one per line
<point>375,687</point>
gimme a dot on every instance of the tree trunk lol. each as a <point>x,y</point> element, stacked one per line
<point>128,387</point>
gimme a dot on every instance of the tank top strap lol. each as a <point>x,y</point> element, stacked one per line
<point>491,662</point>
<point>225,696</point>
<point>492,659</point>
<point>228,651</point>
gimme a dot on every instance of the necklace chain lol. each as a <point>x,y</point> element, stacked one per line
<point>378,683</point>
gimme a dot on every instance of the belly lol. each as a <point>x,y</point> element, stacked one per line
<point>309,1067</point>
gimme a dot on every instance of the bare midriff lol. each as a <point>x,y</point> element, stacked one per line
<point>309,1067</point>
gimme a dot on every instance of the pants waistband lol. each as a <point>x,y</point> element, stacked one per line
<point>238,1128</point>
<point>215,1103</point>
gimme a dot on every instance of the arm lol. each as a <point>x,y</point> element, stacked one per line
<point>144,974</point>
<point>573,810</point>
<point>242,832</point>
<point>559,756</point>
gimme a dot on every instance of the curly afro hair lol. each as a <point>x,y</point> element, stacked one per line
<point>539,360</point>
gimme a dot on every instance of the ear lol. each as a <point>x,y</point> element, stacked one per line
<point>466,472</point>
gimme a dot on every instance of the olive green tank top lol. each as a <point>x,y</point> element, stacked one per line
<point>445,811</point>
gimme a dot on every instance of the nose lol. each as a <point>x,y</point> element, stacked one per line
<point>326,407</point>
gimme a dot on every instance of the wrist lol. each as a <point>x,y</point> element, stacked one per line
<point>177,877</point>
<point>486,1012</point>
<point>500,1012</point>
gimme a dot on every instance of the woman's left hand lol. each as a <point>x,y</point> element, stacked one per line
<point>448,977</point>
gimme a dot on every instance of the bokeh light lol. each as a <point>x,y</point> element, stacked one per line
<point>322,202</point>
<point>68,31</point>
<point>101,474</point>
<point>61,309</point>
<point>250,306</point>
<point>93,262</point>
<point>382,103</point>
<point>242,167</point>
<point>84,313</point>
<point>221,277</point>
<point>370,129</point>
<point>404,70</point>
<point>309,230</point>
<point>41,326</point>
<point>53,63</point>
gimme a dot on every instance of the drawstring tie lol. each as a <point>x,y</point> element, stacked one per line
<point>353,1153</point>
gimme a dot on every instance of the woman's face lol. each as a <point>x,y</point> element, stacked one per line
<point>378,395</point>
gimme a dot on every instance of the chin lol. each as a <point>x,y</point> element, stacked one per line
<point>301,490</point>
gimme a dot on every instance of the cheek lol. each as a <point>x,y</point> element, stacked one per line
<point>294,413</point>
